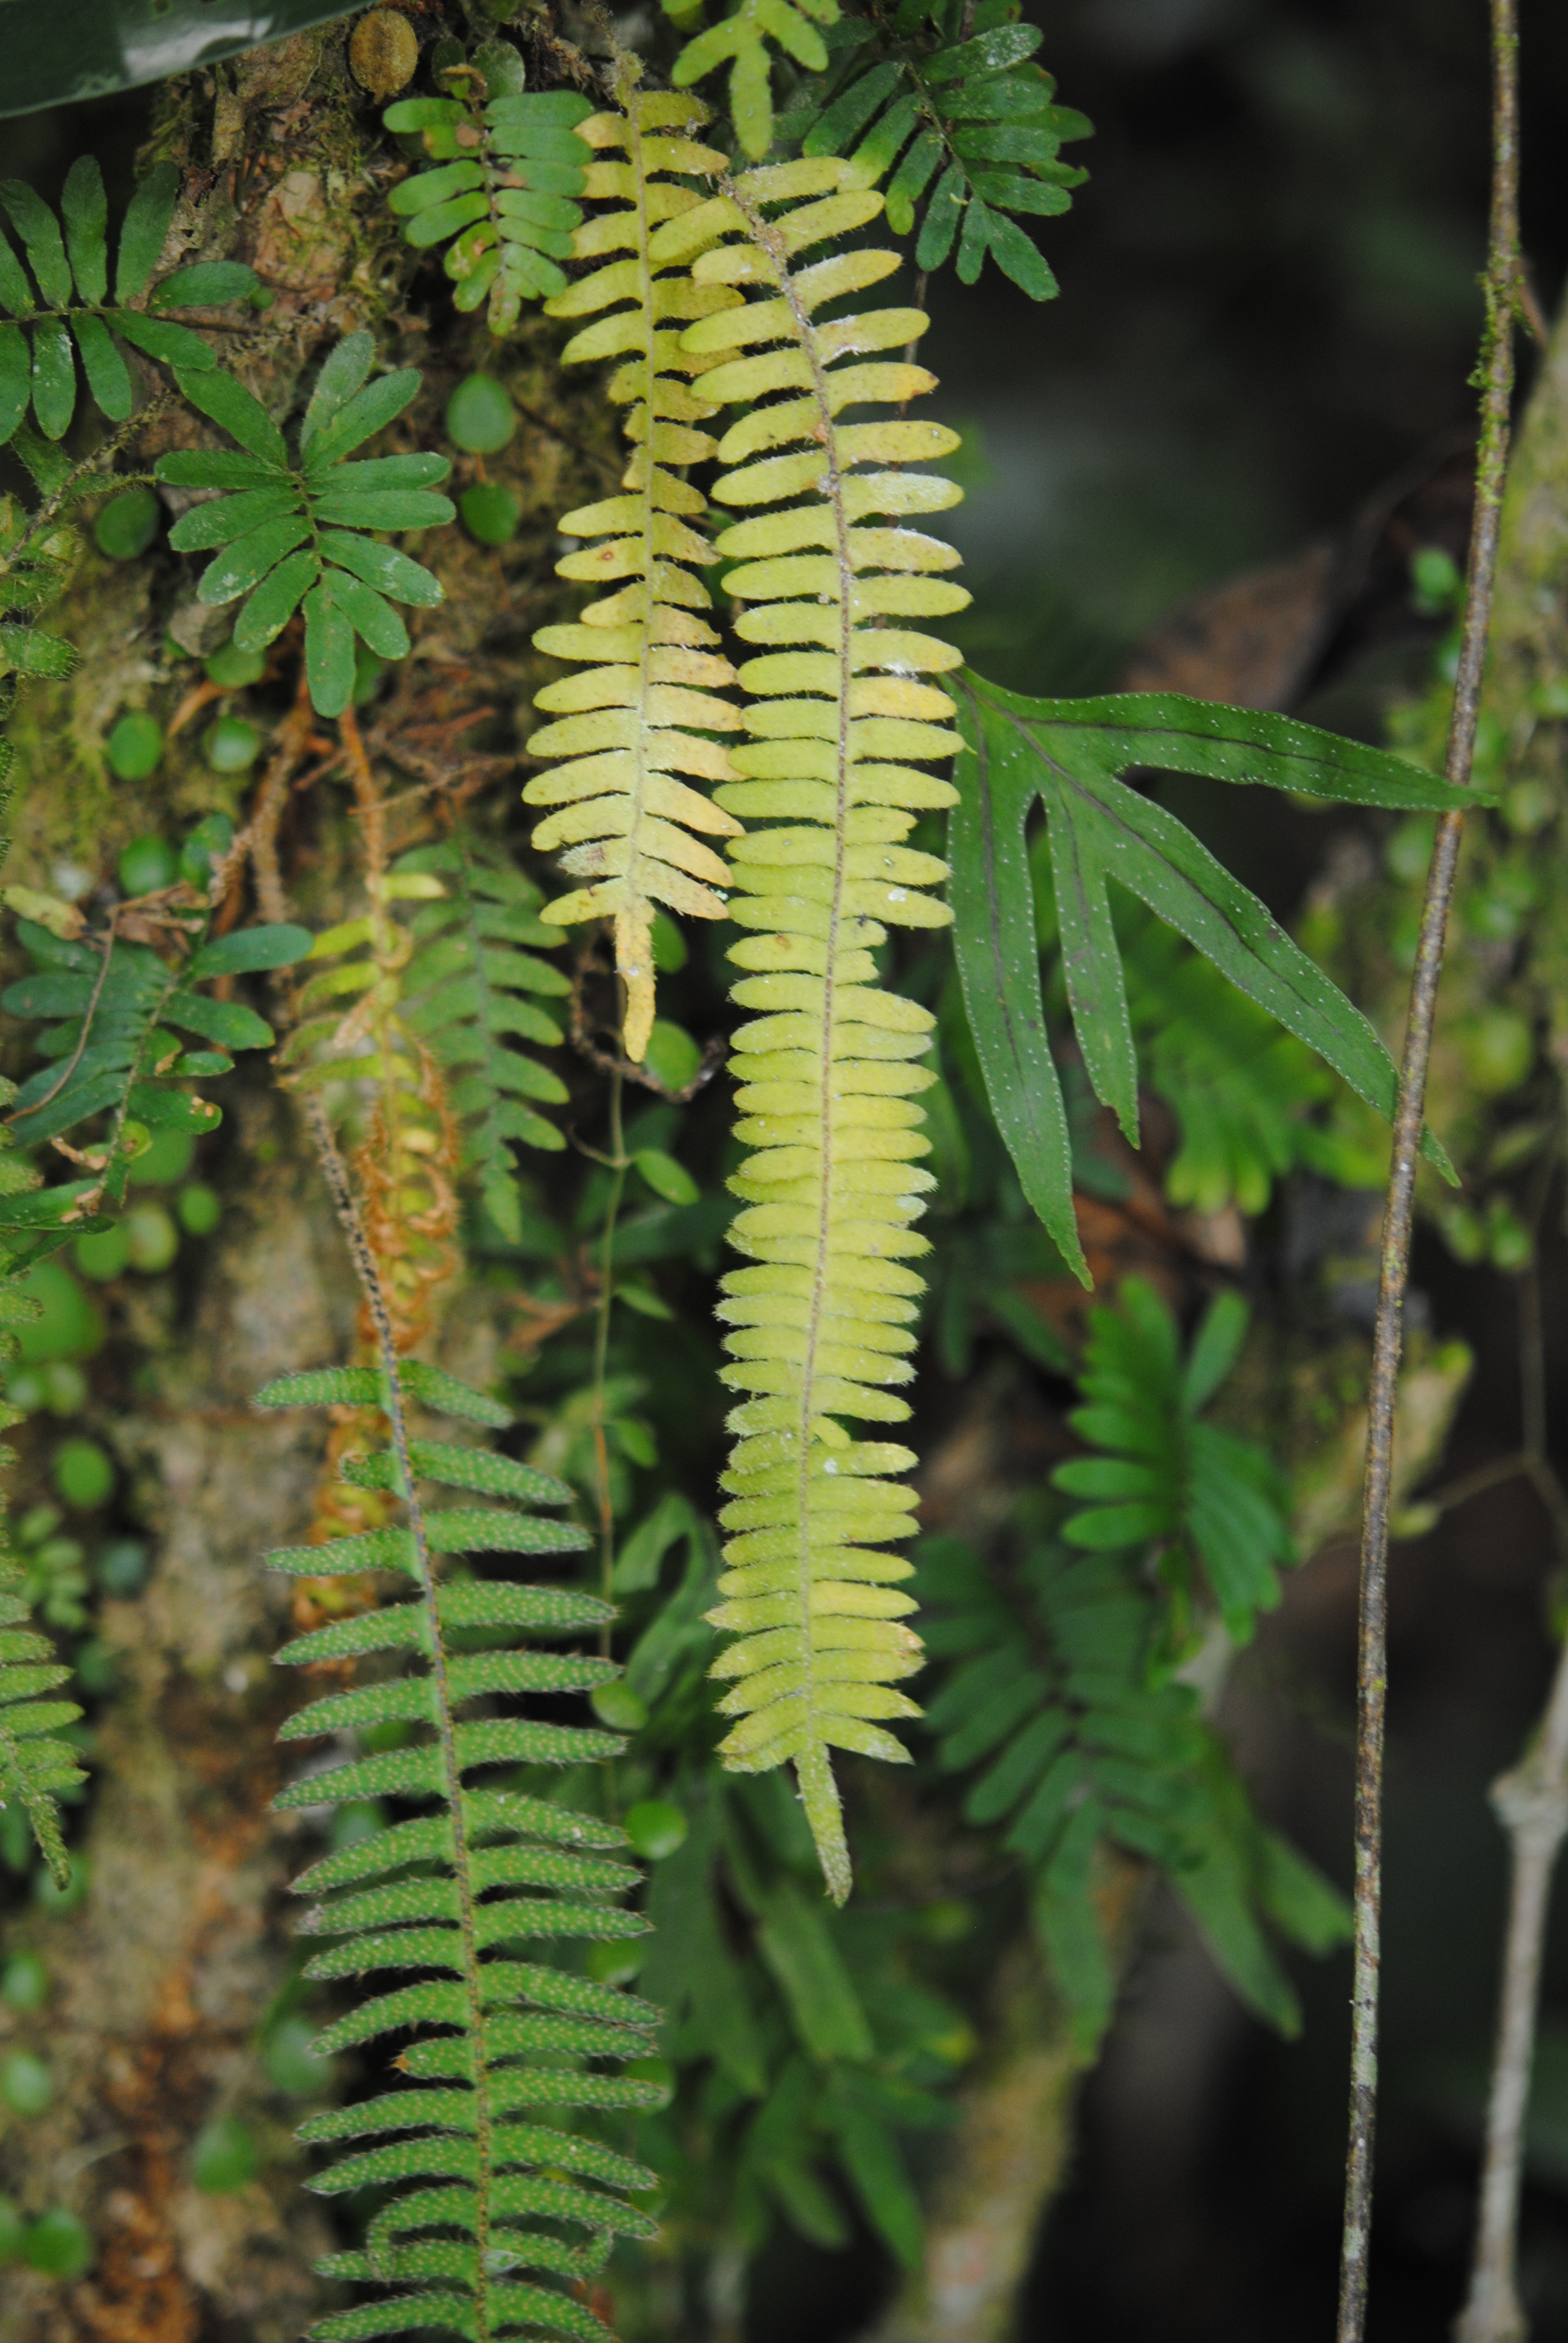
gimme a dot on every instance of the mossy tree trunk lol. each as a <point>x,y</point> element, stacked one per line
<point>164,1979</point>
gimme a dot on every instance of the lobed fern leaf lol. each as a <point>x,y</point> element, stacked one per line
<point>297,533</point>
<point>969,128</point>
<point>1211,1501</point>
<point>1071,754</point>
<point>467,995</point>
<point>1048,1705</point>
<point>62,313</point>
<point>468,2150</point>
<point>635,720</point>
<point>123,1010</point>
<point>822,1322</point>
<point>498,192</point>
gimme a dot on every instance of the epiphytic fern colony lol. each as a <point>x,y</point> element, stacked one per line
<point>749,753</point>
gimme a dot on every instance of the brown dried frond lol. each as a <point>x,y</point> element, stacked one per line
<point>407,1174</point>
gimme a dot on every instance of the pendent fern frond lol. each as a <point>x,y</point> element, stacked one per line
<point>635,720</point>
<point>823,1321</point>
<point>483,2180</point>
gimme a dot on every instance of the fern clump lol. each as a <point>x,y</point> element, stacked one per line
<point>112,1052</point>
<point>1238,1084</point>
<point>823,1323</point>
<point>482,2180</point>
<point>637,717</point>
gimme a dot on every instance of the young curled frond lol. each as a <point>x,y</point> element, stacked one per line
<point>634,724</point>
<point>822,1321</point>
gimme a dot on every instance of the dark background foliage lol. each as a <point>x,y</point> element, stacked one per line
<point>1268,314</point>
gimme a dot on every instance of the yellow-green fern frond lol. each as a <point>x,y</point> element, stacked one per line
<point>635,723</point>
<point>823,1320</point>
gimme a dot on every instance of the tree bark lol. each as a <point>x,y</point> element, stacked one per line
<point>162,1978</point>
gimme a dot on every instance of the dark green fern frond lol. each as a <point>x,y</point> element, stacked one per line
<point>1212,1503</point>
<point>1048,1704</point>
<point>482,2180</point>
<point>123,1011</point>
<point>307,531</point>
<point>968,129</point>
<point>467,995</point>
<point>1239,1085</point>
<point>35,1767</point>
<point>64,312</point>
<point>498,192</point>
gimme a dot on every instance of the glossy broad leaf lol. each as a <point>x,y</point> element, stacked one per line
<point>1069,756</point>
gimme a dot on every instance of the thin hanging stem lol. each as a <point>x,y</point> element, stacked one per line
<point>1495,378</point>
<point>1531,1804</point>
<point>619,1164</point>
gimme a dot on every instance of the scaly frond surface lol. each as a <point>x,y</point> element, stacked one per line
<point>491,2202</point>
<point>498,192</point>
<point>822,1323</point>
<point>300,532</point>
<point>635,720</point>
<point>352,1032</point>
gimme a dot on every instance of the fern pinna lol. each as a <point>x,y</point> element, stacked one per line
<point>637,717</point>
<point>495,2037</point>
<point>822,1321</point>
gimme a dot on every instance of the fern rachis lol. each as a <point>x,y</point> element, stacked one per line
<point>820,1323</point>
